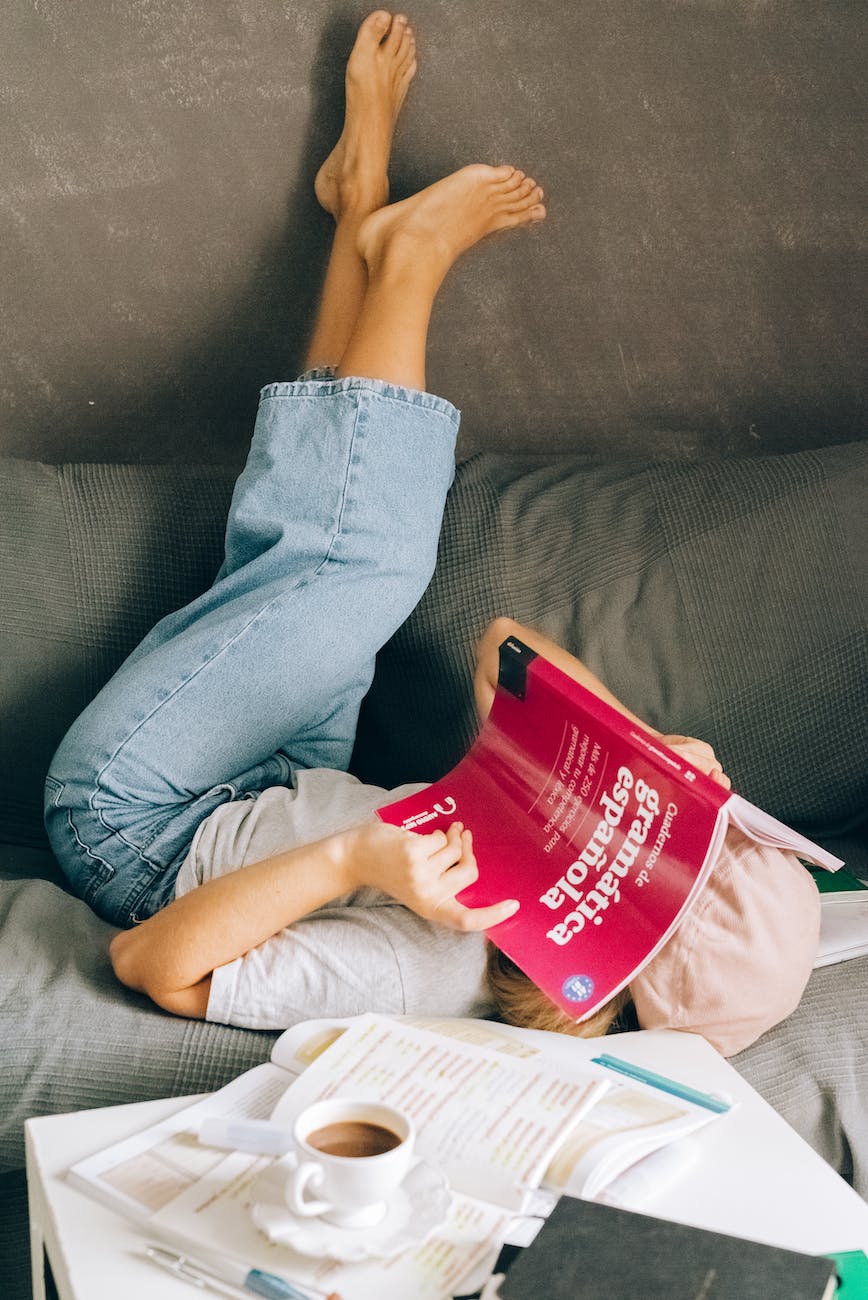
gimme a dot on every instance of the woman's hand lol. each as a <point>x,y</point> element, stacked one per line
<point>700,754</point>
<point>424,872</point>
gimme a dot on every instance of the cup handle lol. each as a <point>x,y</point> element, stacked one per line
<point>297,1182</point>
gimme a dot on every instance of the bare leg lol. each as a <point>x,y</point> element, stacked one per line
<point>409,247</point>
<point>353,181</point>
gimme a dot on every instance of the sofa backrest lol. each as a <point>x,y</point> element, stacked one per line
<point>90,557</point>
<point>727,601</point>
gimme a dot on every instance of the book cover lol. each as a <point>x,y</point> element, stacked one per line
<point>603,834</point>
<point>586,1249</point>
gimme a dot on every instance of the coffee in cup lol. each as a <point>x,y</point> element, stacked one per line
<point>354,1155</point>
<point>355,1138</point>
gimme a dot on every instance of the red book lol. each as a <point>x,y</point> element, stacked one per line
<point>603,834</point>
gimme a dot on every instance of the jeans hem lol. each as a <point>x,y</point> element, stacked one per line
<point>321,382</point>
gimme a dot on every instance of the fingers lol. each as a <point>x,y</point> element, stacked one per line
<point>460,870</point>
<point>701,755</point>
<point>476,918</point>
<point>446,852</point>
<point>462,875</point>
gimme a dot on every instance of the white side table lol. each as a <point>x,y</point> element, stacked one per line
<point>757,1179</point>
<point>93,1253</point>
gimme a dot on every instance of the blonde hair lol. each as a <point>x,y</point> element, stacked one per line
<point>520,1002</point>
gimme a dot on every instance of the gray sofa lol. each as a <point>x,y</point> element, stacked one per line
<point>662,390</point>
<point>727,600</point>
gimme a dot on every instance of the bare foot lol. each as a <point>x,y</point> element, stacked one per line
<point>380,68</point>
<point>433,228</point>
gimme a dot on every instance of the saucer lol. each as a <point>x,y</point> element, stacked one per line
<point>413,1210</point>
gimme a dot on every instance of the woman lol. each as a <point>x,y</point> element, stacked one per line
<point>221,742</point>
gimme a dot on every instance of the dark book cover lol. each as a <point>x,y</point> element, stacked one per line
<point>595,1251</point>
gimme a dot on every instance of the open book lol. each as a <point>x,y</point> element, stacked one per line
<point>604,835</point>
<point>492,1110</point>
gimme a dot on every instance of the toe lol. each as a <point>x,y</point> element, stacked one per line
<point>392,42</point>
<point>404,53</point>
<point>376,25</point>
<point>513,182</point>
<point>520,203</point>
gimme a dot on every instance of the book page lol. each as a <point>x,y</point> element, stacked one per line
<point>491,1124</point>
<point>216,1214</point>
<point>483,1033</point>
<point>765,829</point>
<point>626,1124</point>
<point>300,1045</point>
<point>142,1174</point>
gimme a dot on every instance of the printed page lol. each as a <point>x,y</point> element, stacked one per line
<point>216,1213</point>
<point>490,1122</point>
<point>483,1033</point>
<point>145,1172</point>
<point>626,1124</point>
<point>300,1046</point>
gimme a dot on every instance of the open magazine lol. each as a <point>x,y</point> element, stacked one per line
<point>604,835</point>
<point>494,1111</point>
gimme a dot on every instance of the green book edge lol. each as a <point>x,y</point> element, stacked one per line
<point>852,1266</point>
<point>837,882</point>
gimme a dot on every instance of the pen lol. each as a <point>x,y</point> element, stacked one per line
<point>675,1089</point>
<point>230,1278</point>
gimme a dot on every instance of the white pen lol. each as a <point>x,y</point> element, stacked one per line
<point>254,1136</point>
<point>230,1278</point>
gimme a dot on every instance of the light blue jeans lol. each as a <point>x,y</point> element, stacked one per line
<point>330,542</point>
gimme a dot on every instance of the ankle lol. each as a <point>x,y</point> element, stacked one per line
<point>358,199</point>
<point>404,259</point>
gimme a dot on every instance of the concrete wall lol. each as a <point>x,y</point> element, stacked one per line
<point>695,290</point>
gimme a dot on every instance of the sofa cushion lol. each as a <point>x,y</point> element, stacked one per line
<point>75,1038</point>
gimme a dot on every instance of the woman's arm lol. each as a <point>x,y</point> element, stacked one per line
<point>697,752</point>
<point>170,956</point>
<point>488,666</point>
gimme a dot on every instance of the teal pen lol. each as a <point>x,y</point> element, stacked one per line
<point>706,1099</point>
<point>230,1279</point>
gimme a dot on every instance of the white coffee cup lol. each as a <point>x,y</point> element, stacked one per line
<point>352,1155</point>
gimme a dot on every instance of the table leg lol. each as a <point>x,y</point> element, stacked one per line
<point>36,1213</point>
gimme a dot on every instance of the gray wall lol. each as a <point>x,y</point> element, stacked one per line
<point>696,289</point>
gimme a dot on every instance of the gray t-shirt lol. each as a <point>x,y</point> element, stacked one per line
<point>360,952</point>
